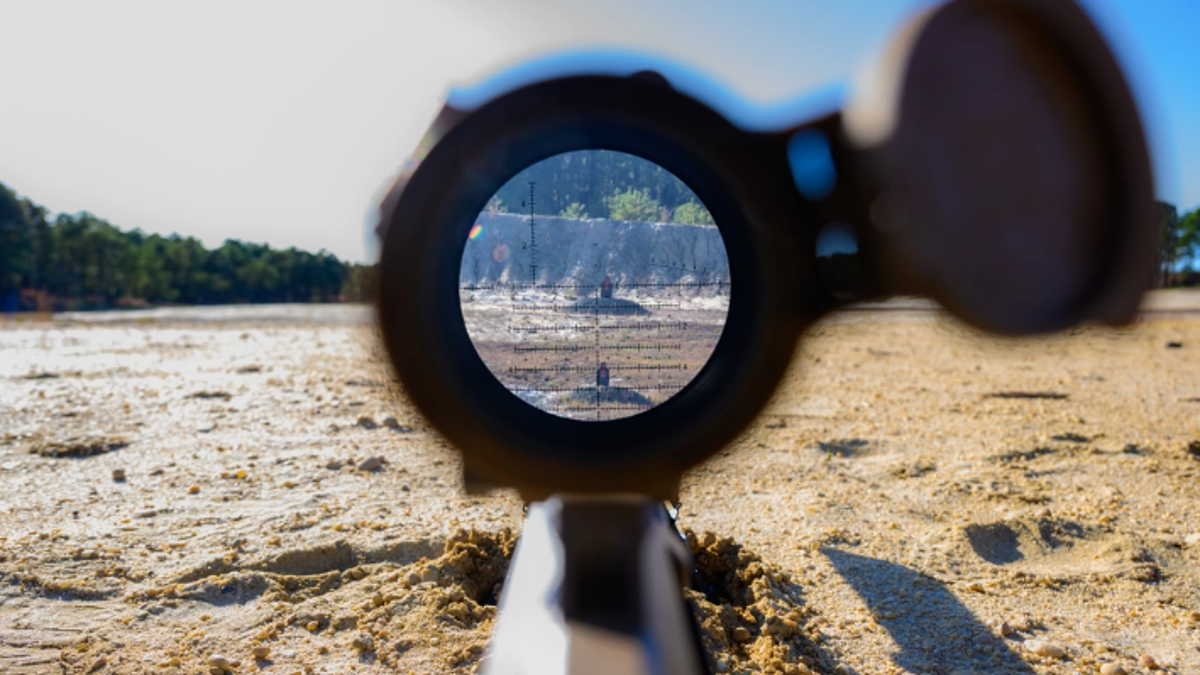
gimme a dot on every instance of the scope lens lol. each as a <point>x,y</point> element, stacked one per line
<point>594,285</point>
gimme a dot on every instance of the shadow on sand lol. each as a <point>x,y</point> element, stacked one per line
<point>925,626</point>
<point>615,395</point>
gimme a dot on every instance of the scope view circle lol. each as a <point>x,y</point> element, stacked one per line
<point>594,285</point>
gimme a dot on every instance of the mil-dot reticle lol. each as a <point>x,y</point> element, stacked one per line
<point>594,285</point>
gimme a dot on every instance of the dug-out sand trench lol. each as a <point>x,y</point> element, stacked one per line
<point>332,604</point>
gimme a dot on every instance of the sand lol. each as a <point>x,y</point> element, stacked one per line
<point>913,487</point>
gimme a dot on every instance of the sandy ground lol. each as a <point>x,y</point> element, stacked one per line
<point>918,499</point>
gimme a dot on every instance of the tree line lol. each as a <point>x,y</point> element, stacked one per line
<point>1179,246</point>
<point>601,184</point>
<point>80,261</point>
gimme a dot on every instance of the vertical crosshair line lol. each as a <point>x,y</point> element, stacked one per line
<point>596,323</point>
<point>533,257</point>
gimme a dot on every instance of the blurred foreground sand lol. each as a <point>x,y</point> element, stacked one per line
<point>913,487</point>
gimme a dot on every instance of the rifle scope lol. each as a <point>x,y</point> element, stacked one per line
<point>596,267</point>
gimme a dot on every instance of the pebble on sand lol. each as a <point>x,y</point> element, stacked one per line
<point>394,424</point>
<point>118,474</point>
<point>363,642</point>
<point>370,464</point>
<point>1045,649</point>
<point>261,652</point>
<point>1148,662</point>
<point>1112,669</point>
<point>218,662</point>
<point>193,489</point>
<point>1005,629</point>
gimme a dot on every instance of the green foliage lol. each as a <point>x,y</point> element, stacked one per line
<point>1189,238</point>
<point>692,213</point>
<point>574,210</point>
<point>591,178</point>
<point>1168,241</point>
<point>634,205</point>
<point>81,261</point>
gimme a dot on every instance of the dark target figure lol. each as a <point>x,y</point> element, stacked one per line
<point>606,287</point>
<point>602,375</point>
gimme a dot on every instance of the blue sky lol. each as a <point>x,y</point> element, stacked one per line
<point>283,121</point>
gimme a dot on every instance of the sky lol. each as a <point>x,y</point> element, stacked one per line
<point>284,121</point>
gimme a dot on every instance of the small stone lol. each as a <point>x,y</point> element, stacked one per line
<point>434,641</point>
<point>391,422</point>
<point>1193,616</point>
<point>975,586</point>
<point>261,652</point>
<point>218,662</point>
<point>1146,573</point>
<point>1148,662</point>
<point>1044,648</point>
<point>430,574</point>
<point>193,489</point>
<point>377,600</point>
<point>118,474</point>
<point>363,642</point>
<point>1112,669</point>
<point>334,464</point>
<point>740,634</point>
<point>458,610</point>
<point>367,423</point>
<point>1005,629</point>
<point>1174,345</point>
<point>370,464</point>
<point>1192,539</point>
<point>312,626</point>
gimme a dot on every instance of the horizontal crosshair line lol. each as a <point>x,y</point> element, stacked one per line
<point>552,328</point>
<point>568,349</point>
<point>642,347</point>
<point>601,408</point>
<point>561,390</point>
<point>587,328</point>
<point>645,325</point>
<point>527,286</point>
<point>578,309</point>
<point>615,367</point>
